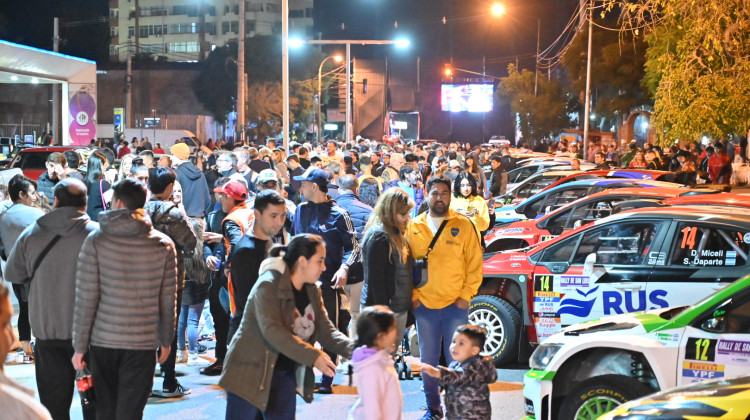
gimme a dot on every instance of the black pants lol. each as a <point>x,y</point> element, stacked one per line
<point>339,317</point>
<point>220,316</point>
<point>122,381</point>
<point>167,368</point>
<point>24,327</point>
<point>55,376</point>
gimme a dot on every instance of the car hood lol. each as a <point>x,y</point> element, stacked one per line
<point>636,322</point>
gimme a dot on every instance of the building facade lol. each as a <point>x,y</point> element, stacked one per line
<point>188,30</point>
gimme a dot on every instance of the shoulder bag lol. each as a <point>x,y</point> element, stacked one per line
<point>420,266</point>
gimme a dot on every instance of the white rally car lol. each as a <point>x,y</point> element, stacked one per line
<point>589,369</point>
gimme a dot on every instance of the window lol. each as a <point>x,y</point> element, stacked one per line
<point>131,31</point>
<point>183,28</point>
<point>249,26</point>
<point>226,9</point>
<point>703,246</point>
<point>153,11</point>
<point>224,27</point>
<point>183,47</point>
<point>190,10</point>
<point>272,8</point>
<point>308,12</point>
<point>114,50</point>
<point>621,243</point>
<point>143,31</point>
<point>114,31</point>
<point>553,201</point>
<point>114,13</point>
<point>561,251</point>
<point>210,28</point>
<point>235,26</point>
<point>591,212</point>
<point>254,7</point>
<point>296,14</point>
<point>535,186</point>
<point>212,11</point>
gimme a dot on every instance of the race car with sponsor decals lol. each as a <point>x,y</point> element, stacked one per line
<point>645,174</point>
<point>554,198</point>
<point>520,234</point>
<point>590,368</point>
<point>721,398</point>
<point>631,261</point>
<point>533,185</point>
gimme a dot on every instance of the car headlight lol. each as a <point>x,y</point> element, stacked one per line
<point>543,355</point>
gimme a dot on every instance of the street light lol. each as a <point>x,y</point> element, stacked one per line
<point>338,59</point>
<point>498,9</point>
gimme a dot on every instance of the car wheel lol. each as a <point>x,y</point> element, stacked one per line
<point>599,395</point>
<point>502,322</point>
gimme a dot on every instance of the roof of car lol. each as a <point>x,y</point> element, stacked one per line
<point>724,199</point>
<point>608,182</point>
<point>691,212</point>
<point>50,149</point>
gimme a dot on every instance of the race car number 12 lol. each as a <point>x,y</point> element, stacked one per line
<point>702,349</point>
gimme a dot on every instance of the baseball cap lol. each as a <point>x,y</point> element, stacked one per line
<point>267,175</point>
<point>234,189</point>
<point>314,174</point>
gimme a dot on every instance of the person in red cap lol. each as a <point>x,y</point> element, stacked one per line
<point>232,196</point>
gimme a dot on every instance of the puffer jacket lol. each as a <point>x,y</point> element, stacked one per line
<point>377,385</point>
<point>53,289</point>
<point>358,211</point>
<point>467,391</point>
<point>126,284</point>
<point>167,218</point>
<point>266,331</point>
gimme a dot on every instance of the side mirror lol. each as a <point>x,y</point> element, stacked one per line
<point>578,224</point>
<point>548,210</point>
<point>713,325</point>
<point>588,264</point>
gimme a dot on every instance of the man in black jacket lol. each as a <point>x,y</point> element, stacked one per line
<point>56,164</point>
<point>196,197</point>
<point>270,215</point>
<point>497,187</point>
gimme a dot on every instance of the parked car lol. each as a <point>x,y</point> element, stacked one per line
<point>590,368</point>
<point>644,174</point>
<point>631,261</point>
<point>32,160</point>
<point>722,398</point>
<point>590,208</point>
<point>534,184</point>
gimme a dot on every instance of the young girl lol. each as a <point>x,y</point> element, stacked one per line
<point>374,374</point>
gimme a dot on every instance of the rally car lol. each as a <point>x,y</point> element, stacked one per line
<point>554,198</point>
<point>590,368</point>
<point>631,261</point>
<point>644,174</point>
<point>590,208</point>
<point>715,399</point>
<point>534,184</point>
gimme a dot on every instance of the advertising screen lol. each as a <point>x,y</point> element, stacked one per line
<point>468,97</point>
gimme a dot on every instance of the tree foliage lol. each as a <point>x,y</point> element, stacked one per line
<point>216,85</point>
<point>542,115</point>
<point>698,64</point>
<point>617,69</point>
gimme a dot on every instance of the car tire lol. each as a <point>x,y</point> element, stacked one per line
<point>599,395</point>
<point>502,322</point>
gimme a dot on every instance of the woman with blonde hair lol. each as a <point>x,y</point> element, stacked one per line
<point>126,163</point>
<point>387,262</point>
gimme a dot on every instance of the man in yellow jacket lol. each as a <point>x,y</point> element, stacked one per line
<point>454,273</point>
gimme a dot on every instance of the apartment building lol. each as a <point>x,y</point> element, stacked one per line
<point>188,30</point>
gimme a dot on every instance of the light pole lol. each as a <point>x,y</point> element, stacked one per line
<point>338,59</point>
<point>401,43</point>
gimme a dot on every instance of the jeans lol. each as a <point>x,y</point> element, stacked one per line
<point>122,381</point>
<point>55,376</point>
<point>434,325</point>
<point>339,317</point>
<point>282,400</point>
<point>167,368</point>
<point>190,317</point>
<point>354,293</point>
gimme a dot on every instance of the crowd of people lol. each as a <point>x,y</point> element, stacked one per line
<point>343,245</point>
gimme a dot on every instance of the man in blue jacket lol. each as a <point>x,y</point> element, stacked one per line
<point>322,216</point>
<point>195,195</point>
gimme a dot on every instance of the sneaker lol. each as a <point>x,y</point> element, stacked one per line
<point>213,369</point>
<point>178,391</point>
<point>194,360</point>
<point>324,389</point>
<point>432,415</point>
<point>182,356</point>
<point>202,349</point>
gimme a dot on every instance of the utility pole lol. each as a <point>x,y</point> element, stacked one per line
<point>536,66</point>
<point>285,73</point>
<point>128,90</point>
<point>348,124</point>
<point>137,33</point>
<point>241,75</point>
<point>202,31</point>
<point>55,87</point>
<point>587,109</point>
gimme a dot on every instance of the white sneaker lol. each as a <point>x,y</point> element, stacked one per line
<point>194,360</point>
<point>182,356</point>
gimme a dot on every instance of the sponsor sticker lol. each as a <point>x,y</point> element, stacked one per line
<point>668,337</point>
<point>731,258</point>
<point>546,301</point>
<point>509,231</point>
<point>657,258</point>
<point>546,326</point>
<point>701,349</point>
<point>697,371</point>
<point>545,238</point>
<point>575,281</point>
<point>733,348</point>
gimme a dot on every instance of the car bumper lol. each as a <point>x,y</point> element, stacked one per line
<point>537,394</point>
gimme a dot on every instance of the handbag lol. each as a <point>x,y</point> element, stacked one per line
<point>27,282</point>
<point>420,266</point>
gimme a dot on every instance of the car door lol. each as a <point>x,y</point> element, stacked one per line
<point>600,271</point>
<point>552,201</point>
<point>581,214</point>
<point>698,258</point>
<point>717,344</point>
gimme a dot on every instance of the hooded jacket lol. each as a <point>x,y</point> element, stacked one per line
<point>167,218</point>
<point>333,223</point>
<point>196,197</point>
<point>52,290</point>
<point>126,284</point>
<point>388,281</point>
<point>14,220</point>
<point>377,385</point>
<point>467,391</point>
<point>266,330</point>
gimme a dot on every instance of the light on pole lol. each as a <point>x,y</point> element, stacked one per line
<point>338,59</point>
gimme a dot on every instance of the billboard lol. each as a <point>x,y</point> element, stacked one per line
<point>475,97</point>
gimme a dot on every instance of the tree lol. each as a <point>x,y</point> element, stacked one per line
<point>617,69</point>
<point>264,109</point>
<point>698,64</point>
<point>216,85</point>
<point>542,115</point>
